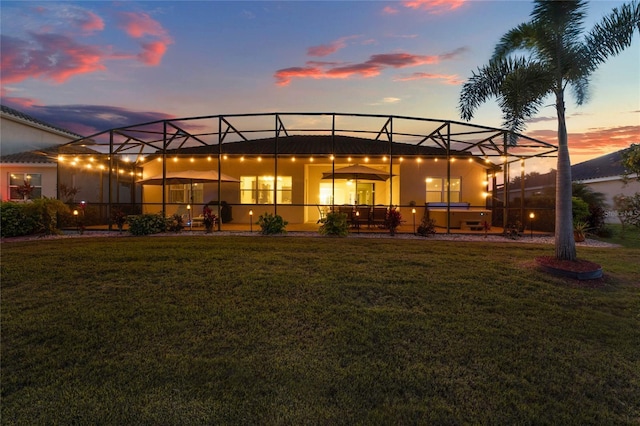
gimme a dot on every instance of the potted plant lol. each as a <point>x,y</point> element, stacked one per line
<point>393,220</point>
<point>580,231</point>
<point>209,219</point>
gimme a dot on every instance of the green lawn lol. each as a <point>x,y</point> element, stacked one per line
<point>629,238</point>
<point>309,330</point>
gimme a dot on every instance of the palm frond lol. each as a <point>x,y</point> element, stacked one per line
<point>614,33</point>
<point>520,38</point>
<point>519,85</point>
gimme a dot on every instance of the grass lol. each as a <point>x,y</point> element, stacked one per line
<point>287,330</point>
<point>629,238</point>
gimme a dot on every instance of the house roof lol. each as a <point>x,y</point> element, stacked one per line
<point>45,156</point>
<point>318,145</point>
<point>30,119</point>
<point>609,165</point>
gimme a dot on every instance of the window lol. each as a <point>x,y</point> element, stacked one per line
<point>437,190</point>
<point>18,183</point>
<point>186,193</point>
<point>259,189</point>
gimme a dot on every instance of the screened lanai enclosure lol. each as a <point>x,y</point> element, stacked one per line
<point>298,165</point>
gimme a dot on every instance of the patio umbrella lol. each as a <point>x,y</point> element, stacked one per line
<point>188,177</point>
<point>357,172</point>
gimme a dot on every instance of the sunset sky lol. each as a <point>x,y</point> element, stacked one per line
<point>91,66</point>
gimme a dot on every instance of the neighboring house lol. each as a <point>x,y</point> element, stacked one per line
<point>29,151</point>
<point>605,175</point>
<point>40,170</point>
<point>20,132</point>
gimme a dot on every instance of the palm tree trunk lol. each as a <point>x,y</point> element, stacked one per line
<point>564,240</point>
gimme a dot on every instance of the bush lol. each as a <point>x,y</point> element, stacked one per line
<point>47,210</point>
<point>176,223</point>
<point>393,220</point>
<point>604,232</point>
<point>272,224</point>
<point>427,227</point>
<point>335,224</point>
<point>580,209</point>
<point>146,224</point>
<point>37,216</point>
<point>15,221</point>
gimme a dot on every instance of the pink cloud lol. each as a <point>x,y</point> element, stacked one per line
<point>53,57</point>
<point>138,25</point>
<point>327,49</point>
<point>388,10</point>
<point>370,68</point>
<point>452,79</point>
<point>284,76</point>
<point>56,52</point>
<point>364,70</point>
<point>434,6</point>
<point>89,22</point>
<point>593,142</point>
<point>141,25</point>
<point>152,53</point>
<point>401,60</point>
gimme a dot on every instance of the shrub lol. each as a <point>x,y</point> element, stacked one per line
<point>271,224</point>
<point>427,227</point>
<point>335,224</point>
<point>176,223</point>
<point>14,220</point>
<point>146,224</point>
<point>37,216</point>
<point>47,210</point>
<point>119,217</point>
<point>393,220</point>
<point>580,209</point>
<point>604,232</point>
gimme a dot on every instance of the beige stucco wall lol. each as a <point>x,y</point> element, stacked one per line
<point>414,174</point>
<point>407,184</point>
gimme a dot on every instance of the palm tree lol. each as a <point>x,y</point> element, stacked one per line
<point>558,54</point>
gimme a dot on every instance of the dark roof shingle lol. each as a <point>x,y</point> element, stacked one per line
<point>44,156</point>
<point>10,111</point>
<point>601,167</point>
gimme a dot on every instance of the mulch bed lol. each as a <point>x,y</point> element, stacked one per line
<point>578,269</point>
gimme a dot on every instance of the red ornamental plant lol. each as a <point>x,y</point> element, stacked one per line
<point>209,218</point>
<point>393,220</point>
<point>25,190</point>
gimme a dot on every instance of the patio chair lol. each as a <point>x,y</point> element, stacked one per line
<point>364,214</point>
<point>348,210</point>
<point>378,216</point>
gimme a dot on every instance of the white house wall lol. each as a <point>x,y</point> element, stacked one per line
<point>611,188</point>
<point>18,136</point>
<point>47,170</point>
